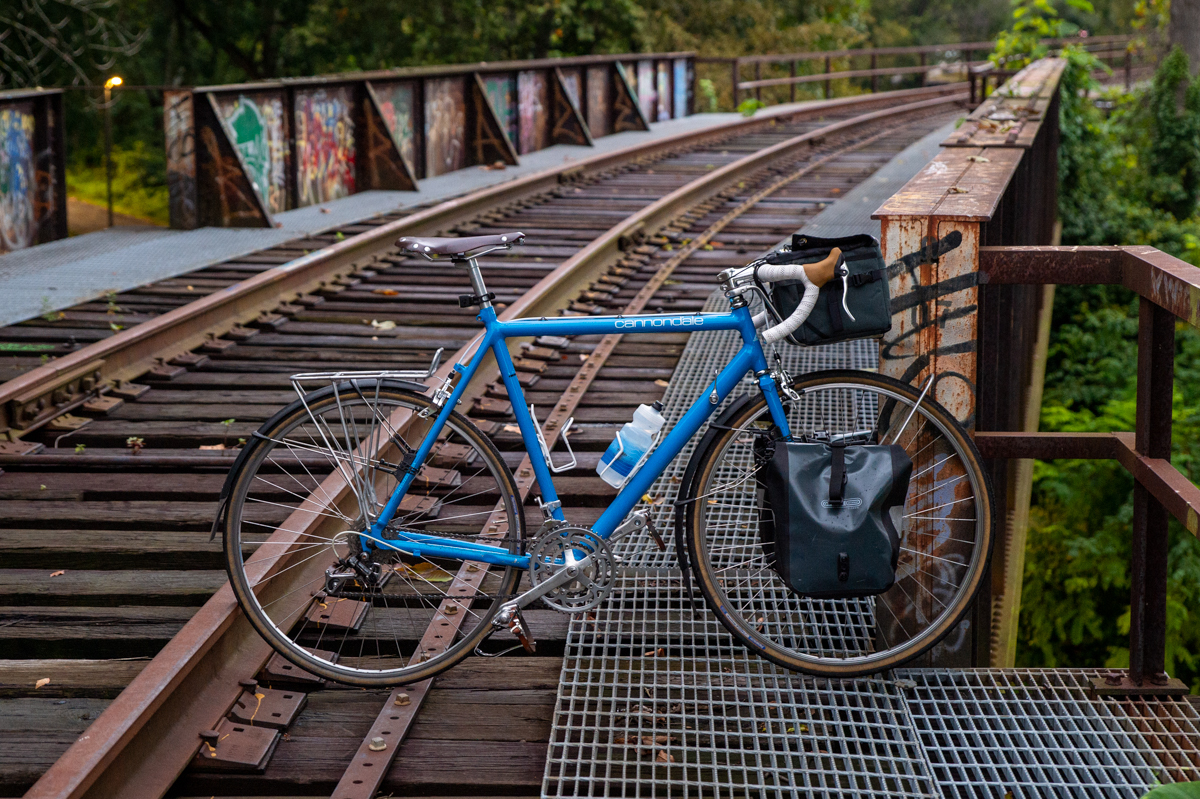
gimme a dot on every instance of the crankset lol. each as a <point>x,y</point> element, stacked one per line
<point>583,557</point>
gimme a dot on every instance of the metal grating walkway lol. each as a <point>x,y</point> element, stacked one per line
<point>1035,732</point>
<point>657,701</point>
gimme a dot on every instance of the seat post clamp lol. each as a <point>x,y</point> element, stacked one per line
<point>467,300</point>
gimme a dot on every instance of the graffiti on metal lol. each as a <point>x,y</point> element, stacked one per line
<point>445,125</point>
<point>502,92</point>
<point>397,106</point>
<point>533,102</point>
<point>647,97</point>
<point>18,183</point>
<point>599,82</point>
<point>626,114</point>
<point>572,80</point>
<point>180,128</point>
<point>663,88</point>
<point>681,87</point>
<point>259,129</point>
<point>325,146</point>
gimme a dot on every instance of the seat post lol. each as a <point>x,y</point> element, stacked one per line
<point>477,282</point>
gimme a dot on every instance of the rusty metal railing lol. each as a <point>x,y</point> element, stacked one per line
<point>957,58</point>
<point>1169,288</point>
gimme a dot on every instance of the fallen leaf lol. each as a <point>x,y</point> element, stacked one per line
<point>496,165</point>
<point>42,682</point>
<point>957,190</point>
<point>58,573</point>
<point>835,191</point>
<point>427,572</point>
<point>583,356</point>
<point>324,210</point>
<point>716,244</point>
<point>663,757</point>
<point>979,159</point>
<point>386,292</point>
<point>189,288</point>
<point>655,653</point>
<point>511,428</point>
<point>212,446</point>
<point>385,325</point>
<point>661,382</point>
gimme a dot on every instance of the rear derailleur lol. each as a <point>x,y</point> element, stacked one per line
<point>355,574</point>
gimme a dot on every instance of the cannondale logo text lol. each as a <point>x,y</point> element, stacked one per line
<point>673,321</point>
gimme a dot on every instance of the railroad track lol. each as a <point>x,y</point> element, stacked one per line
<point>136,562</point>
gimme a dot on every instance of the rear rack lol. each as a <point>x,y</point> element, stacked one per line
<point>333,378</point>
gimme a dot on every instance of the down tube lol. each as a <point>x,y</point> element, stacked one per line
<point>671,446</point>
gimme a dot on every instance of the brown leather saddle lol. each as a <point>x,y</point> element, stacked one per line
<point>459,247</point>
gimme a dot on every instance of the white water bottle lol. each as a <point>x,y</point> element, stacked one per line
<point>632,442</point>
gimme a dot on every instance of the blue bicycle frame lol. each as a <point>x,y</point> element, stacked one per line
<point>749,359</point>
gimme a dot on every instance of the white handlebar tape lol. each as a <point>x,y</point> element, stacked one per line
<point>771,273</point>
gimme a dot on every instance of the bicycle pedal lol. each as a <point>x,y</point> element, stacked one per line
<point>653,531</point>
<point>520,628</point>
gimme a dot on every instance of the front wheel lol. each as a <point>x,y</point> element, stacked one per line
<point>946,531</point>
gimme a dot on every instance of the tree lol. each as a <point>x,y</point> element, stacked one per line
<point>1184,30</point>
<point>60,41</point>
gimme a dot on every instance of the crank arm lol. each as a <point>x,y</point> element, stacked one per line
<point>639,520</point>
<point>563,576</point>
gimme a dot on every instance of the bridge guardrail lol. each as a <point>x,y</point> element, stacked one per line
<point>961,62</point>
<point>238,154</point>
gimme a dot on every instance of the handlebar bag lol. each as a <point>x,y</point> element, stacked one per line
<point>829,514</point>
<point>869,300</point>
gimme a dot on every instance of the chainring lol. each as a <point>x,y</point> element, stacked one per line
<point>557,549</point>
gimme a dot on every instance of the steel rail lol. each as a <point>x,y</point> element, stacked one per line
<point>146,737</point>
<point>131,352</point>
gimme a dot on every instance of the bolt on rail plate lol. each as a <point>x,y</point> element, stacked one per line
<point>234,746</point>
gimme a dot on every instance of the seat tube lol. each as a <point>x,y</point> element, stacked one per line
<point>477,282</point>
<point>541,471</point>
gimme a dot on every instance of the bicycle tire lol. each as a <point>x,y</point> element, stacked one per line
<point>239,512</point>
<point>714,575</point>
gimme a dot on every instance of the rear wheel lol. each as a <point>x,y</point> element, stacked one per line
<point>946,531</point>
<point>313,479</point>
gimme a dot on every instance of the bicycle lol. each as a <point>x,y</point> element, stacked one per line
<point>374,535</point>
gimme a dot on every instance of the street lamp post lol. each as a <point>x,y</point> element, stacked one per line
<point>115,80</point>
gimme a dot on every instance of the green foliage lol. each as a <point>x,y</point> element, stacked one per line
<point>1032,21</point>
<point>749,107</point>
<point>139,182</point>
<point>1129,174</point>
<point>708,95</point>
<point>1174,153</point>
<point>1180,790</point>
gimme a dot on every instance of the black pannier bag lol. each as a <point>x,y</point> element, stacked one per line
<point>826,514</point>
<point>866,296</point>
